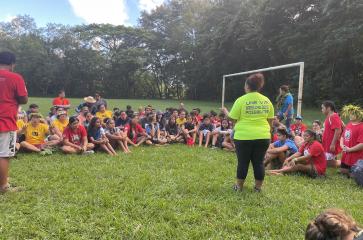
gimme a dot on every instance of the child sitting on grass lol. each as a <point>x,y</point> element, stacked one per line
<point>205,130</point>
<point>219,134</point>
<point>280,150</point>
<point>152,128</point>
<point>310,159</point>
<point>115,136</point>
<point>35,136</point>
<point>96,135</point>
<point>189,131</point>
<point>75,138</point>
<point>173,131</point>
<point>317,129</point>
<point>297,129</point>
<point>135,133</point>
<point>352,138</point>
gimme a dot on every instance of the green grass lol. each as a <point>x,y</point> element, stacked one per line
<point>172,192</point>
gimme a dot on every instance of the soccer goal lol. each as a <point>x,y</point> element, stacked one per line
<point>301,80</point>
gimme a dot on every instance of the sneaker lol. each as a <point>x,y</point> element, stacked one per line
<point>46,152</point>
<point>88,152</point>
<point>213,147</point>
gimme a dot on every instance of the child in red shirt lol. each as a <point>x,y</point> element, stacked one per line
<point>297,129</point>
<point>310,158</point>
<point>352,138</point>
<point>332,132</point>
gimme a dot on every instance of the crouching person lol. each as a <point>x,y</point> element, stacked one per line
<point>35,136</point>
<point>75,138</point>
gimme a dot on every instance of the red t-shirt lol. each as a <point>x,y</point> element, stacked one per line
<point>298,129</point>
<point>60,101</point>
<point>12,86</point>
<point>316,151</point>
<point>353,135</point>
<point>75,136</point>
<point>331,123</point>
<point>134,133</point>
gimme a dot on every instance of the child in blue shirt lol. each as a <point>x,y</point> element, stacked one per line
<point>280,150</point>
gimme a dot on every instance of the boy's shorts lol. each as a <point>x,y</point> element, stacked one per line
<point>205,132</point>
<point>7,144</point>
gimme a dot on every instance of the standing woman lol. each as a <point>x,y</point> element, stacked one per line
<point>285,106</point>
<point>253,113</point>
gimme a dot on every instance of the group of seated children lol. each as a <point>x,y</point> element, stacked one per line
<point>108,130</point>
<point>299,149</point>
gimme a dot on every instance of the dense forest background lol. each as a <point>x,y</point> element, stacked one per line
<point>182,49</point>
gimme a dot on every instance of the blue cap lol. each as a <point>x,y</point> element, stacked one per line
<point>299,117</point>
<point>7,58</point>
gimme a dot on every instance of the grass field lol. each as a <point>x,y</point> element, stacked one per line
<point>172,192</point>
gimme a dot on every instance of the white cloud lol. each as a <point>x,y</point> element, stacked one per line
<point>105,11</point>
<point>9,17</point>
<point>149,5</point>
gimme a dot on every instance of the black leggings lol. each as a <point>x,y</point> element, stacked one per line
<point>254,151</point>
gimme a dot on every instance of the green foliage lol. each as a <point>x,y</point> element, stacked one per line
<point>182,49</point>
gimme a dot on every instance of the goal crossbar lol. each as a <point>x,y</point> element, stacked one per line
<point>301,80</point>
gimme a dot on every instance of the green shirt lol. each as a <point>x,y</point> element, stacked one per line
<point>251,112</point>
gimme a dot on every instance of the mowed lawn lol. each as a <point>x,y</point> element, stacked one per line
<point>172,192</point>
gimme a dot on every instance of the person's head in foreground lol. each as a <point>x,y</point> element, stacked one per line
<point>123,115</point>
<point>172,120</point>
<point>282,134</point>
<point>135,120</point>
<point>354,113</point>
<point>95,123</point>
<point>328,107</point>
<point>88,116</point>
<point>73,123</point>
<point>189,118</point>
<point>333,224</point>
<point>254,83</point>
<point>7,60</point>
<point>182,114</point>
<point>110,123</point>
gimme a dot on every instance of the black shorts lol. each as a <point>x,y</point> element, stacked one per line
<point>345,166</point>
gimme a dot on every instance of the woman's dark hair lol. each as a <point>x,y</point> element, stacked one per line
<point>99,106</point>
<point>317,122</point>
<point>213,113</point>
<point>283,131</point>
<point>311,133</point>
<point>331,105</point>
<point>205,115</point>
<point>128,107</point>
<point>91,127</point>
<point>255,82</point>
<point>72,120</point>
<point>285,88</point>
<point>228,127</point>
<point>107,120</point>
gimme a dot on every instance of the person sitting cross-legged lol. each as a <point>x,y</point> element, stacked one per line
<point>35,136</point>
<point>280,149</point>
<point>310,159</point>
<point>116,137</point>
<point>75,138</point>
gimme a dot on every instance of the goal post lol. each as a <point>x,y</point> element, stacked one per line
<point>301,80</point>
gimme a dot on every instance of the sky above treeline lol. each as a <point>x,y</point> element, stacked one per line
<point>73,12</point>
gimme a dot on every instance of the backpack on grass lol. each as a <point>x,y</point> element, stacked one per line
<point>357,172</point>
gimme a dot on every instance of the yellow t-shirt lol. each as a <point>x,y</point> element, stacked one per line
<point>181,121</point>
<point>36,135</point>
<point>106,114</point>
<point>60,125</point>
<point>251,112</point>
<point>20,124</point>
